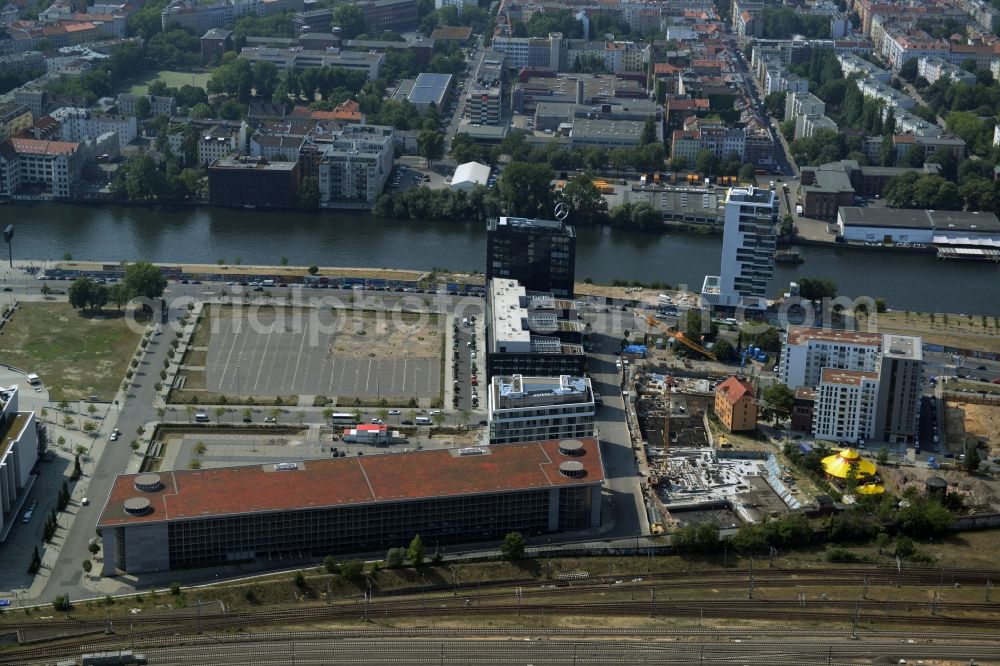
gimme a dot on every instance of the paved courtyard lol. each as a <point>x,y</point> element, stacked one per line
<point>272,357</point>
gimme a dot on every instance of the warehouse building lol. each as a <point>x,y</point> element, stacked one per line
<point>182,519</point>
<point>979,231</point>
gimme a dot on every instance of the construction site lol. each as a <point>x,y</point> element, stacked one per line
<point>691,477</point>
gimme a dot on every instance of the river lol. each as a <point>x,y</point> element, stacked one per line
<point>203,235</point>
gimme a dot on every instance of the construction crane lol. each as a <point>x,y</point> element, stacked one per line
<point>677,335</point>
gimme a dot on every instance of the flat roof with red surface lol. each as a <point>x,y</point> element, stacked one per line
<point>332,482</point>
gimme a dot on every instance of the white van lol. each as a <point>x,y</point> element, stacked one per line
<point>34,379</point>
<point>423,420</point>
<point>267,283</point>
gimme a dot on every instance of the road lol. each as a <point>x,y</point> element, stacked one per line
<point>472,69</point>
<point>783,166</point>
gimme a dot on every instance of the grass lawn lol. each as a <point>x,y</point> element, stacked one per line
<point>952,330</point>
<point>172,79</point>
<point>76,355</point>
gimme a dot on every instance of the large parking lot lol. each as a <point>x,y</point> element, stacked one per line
<point>364,355</point>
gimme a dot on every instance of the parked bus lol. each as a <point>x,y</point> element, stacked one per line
<point>343,418</point>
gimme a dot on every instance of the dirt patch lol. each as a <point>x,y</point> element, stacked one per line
<point>371,334</point>
<point>976,490</point>
<point>969,424</point>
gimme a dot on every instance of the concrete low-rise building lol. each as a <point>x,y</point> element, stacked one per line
<point>248,182</point>
<point>430,90</point>
<point>196,518</point>
<point>533,409</point>
<point>298,57</point>
<point>78,124</point>
<point>922,227</point>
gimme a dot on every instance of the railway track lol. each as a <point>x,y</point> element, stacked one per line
<point>538,600</point>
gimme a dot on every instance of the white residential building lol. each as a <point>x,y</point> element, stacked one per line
<point>748,241</point>
<point>883,92</point>
<point>297,57</point>
<point>812,123</point>
<point>355,163</point>
<point>933,68</point>
<point>846,404</point>
<point>54,164</point>
<point>19,452</point>
<point>532,409</point>
<point>808,350</point>
<point>851,63</point>
<point>220,142</point>
<point>78,124</point>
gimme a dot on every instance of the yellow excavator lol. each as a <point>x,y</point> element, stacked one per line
<point>677,335</point>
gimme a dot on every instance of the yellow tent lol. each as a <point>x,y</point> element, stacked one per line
<point>839,464</point>
<point>870,489</point>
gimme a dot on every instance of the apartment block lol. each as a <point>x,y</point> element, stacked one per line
<point>933,68</point>
<point>55,165</point>
<point>900,373</point>
<point>807,351</point>
<point>354,165</point>
<point>534,409</point>
<point>78,124</point>
<point>845,407</point>
<point>748,242</point>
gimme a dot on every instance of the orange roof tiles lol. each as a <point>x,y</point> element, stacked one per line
<point>734,389</point>
<point>846,377</point>
<point>190,494</point>
<point>43,147</point>
<point>798,335</point>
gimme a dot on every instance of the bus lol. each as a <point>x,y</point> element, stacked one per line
<point>343,418</point>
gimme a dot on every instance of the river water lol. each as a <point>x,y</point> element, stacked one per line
<point>115,233</point>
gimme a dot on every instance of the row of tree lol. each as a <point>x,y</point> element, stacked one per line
<point>141,280</point>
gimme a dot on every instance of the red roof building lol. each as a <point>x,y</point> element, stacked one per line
<point>735,404</point>
<point>156,522</point>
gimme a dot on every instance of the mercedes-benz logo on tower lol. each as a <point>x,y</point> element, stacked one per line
<point>561,211</point>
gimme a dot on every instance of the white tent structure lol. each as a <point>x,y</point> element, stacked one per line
<point>469,175</point>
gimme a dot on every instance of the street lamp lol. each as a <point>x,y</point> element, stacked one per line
<point>8,235</point>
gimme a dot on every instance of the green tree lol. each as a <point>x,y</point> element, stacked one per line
<point>648,132</point>
<point>586,204</point>
<point>352,569</point>
<point>219,411</point>
<point>350,20</point>
<point>88,566</point>
<point>972,459</point>
<point>815,289</point>
<point>415,552</point>
<point>144,280</point>
<point>908,70</point>
<point>313,269</point>
<point>525,189</point>
<point>330,564</point>
<point>777,401</point>
<point>395,557</point>
<point>513,546</point>
<point>142,107</point>
<point>724,351</point>
<point>430,145</point>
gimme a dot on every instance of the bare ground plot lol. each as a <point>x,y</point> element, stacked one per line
<point>76,355</point>
<point>981,333</point>
<point>972,424</point>
<point>363,354</point>
<point>978,490</point>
